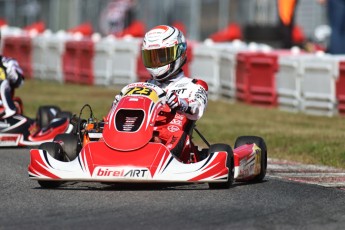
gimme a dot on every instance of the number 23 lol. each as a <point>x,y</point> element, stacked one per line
<point>140,91</point>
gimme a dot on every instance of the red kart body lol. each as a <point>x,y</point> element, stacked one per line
<point>126,152</point>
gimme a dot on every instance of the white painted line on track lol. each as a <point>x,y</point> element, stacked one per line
<point>304,173</point>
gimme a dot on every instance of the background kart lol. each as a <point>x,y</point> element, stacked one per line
<point>122,149</point>
<point>20,130</point>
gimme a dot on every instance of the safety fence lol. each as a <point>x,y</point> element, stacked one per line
<point>252,73</point>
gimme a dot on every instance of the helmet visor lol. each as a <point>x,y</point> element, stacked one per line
<point>159,57</point>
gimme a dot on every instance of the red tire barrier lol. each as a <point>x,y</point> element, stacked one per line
<point>255,78</point>
<point>87,53</point>
<point>340,88</point>
<point>20,48</point>
<point>71,62</point>
<point>77,62</point>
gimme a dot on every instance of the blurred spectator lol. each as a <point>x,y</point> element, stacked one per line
<point>298,36</point>
<point>231,32</point>
<point>286,13</point>
<point>136,29</point>
<point>3,22</point>
<point>117,16</point>
<point>336,17</point>
<point>180,26</point>
<point>85,29</point>
<point>37,27</point>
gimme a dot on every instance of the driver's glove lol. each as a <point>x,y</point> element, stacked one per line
<point>175,102</point>
<point>117,98</point>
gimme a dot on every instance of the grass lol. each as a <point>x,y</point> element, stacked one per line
<point>298,137</point>
<point>71,97</point>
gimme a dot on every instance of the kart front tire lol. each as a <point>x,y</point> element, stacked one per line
<point>259,141</point>
<point>56,152</point>
<point>69,144</point>
<point>49,184</point>
<point>54,149</point>
<point>229,164</point>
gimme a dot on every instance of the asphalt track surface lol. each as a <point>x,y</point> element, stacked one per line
<point>273,204</point>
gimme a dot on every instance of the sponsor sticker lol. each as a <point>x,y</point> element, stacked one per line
<point>143,91</point>
<point>176,122</point>
<point>179,91</point>
<point>9,140</point>
<point>173,128</point>
<point>116,172</point>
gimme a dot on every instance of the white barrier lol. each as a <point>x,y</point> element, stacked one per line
<point>227,68</point>
<point>288,83</point>
<point>227,78</point>
<point>205,65</point>
<point>124,61</point>
<point>39,57</point>
<point>102,63</point>
<point>54,55</point>
<point>318,93</point>
<point>215,63</point>
<point>115,61</point>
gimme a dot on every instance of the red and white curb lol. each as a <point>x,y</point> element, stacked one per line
<point>304,173</point>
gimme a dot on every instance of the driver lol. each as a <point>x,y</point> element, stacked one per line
<point>164,53</point>
<point>11,77</point>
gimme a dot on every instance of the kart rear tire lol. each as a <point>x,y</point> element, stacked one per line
<point>56,152</point>
<point>70,145</point>
<point>229,164</point>
<point>259,141</point>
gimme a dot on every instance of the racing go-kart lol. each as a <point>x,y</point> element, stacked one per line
<point>20,130</point>
<point>122,148</point>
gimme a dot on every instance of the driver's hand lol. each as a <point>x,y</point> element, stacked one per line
<point>116,99</point>
<point>175,102</point>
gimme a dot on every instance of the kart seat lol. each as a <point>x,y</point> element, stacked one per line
<point>56,122</point>
<point>187,133</point>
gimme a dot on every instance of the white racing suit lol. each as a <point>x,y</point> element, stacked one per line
<point>193,93</point>
<point>11,77</point>
<point>193,96</point>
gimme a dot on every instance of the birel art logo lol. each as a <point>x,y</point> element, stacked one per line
<point>102,172</point>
